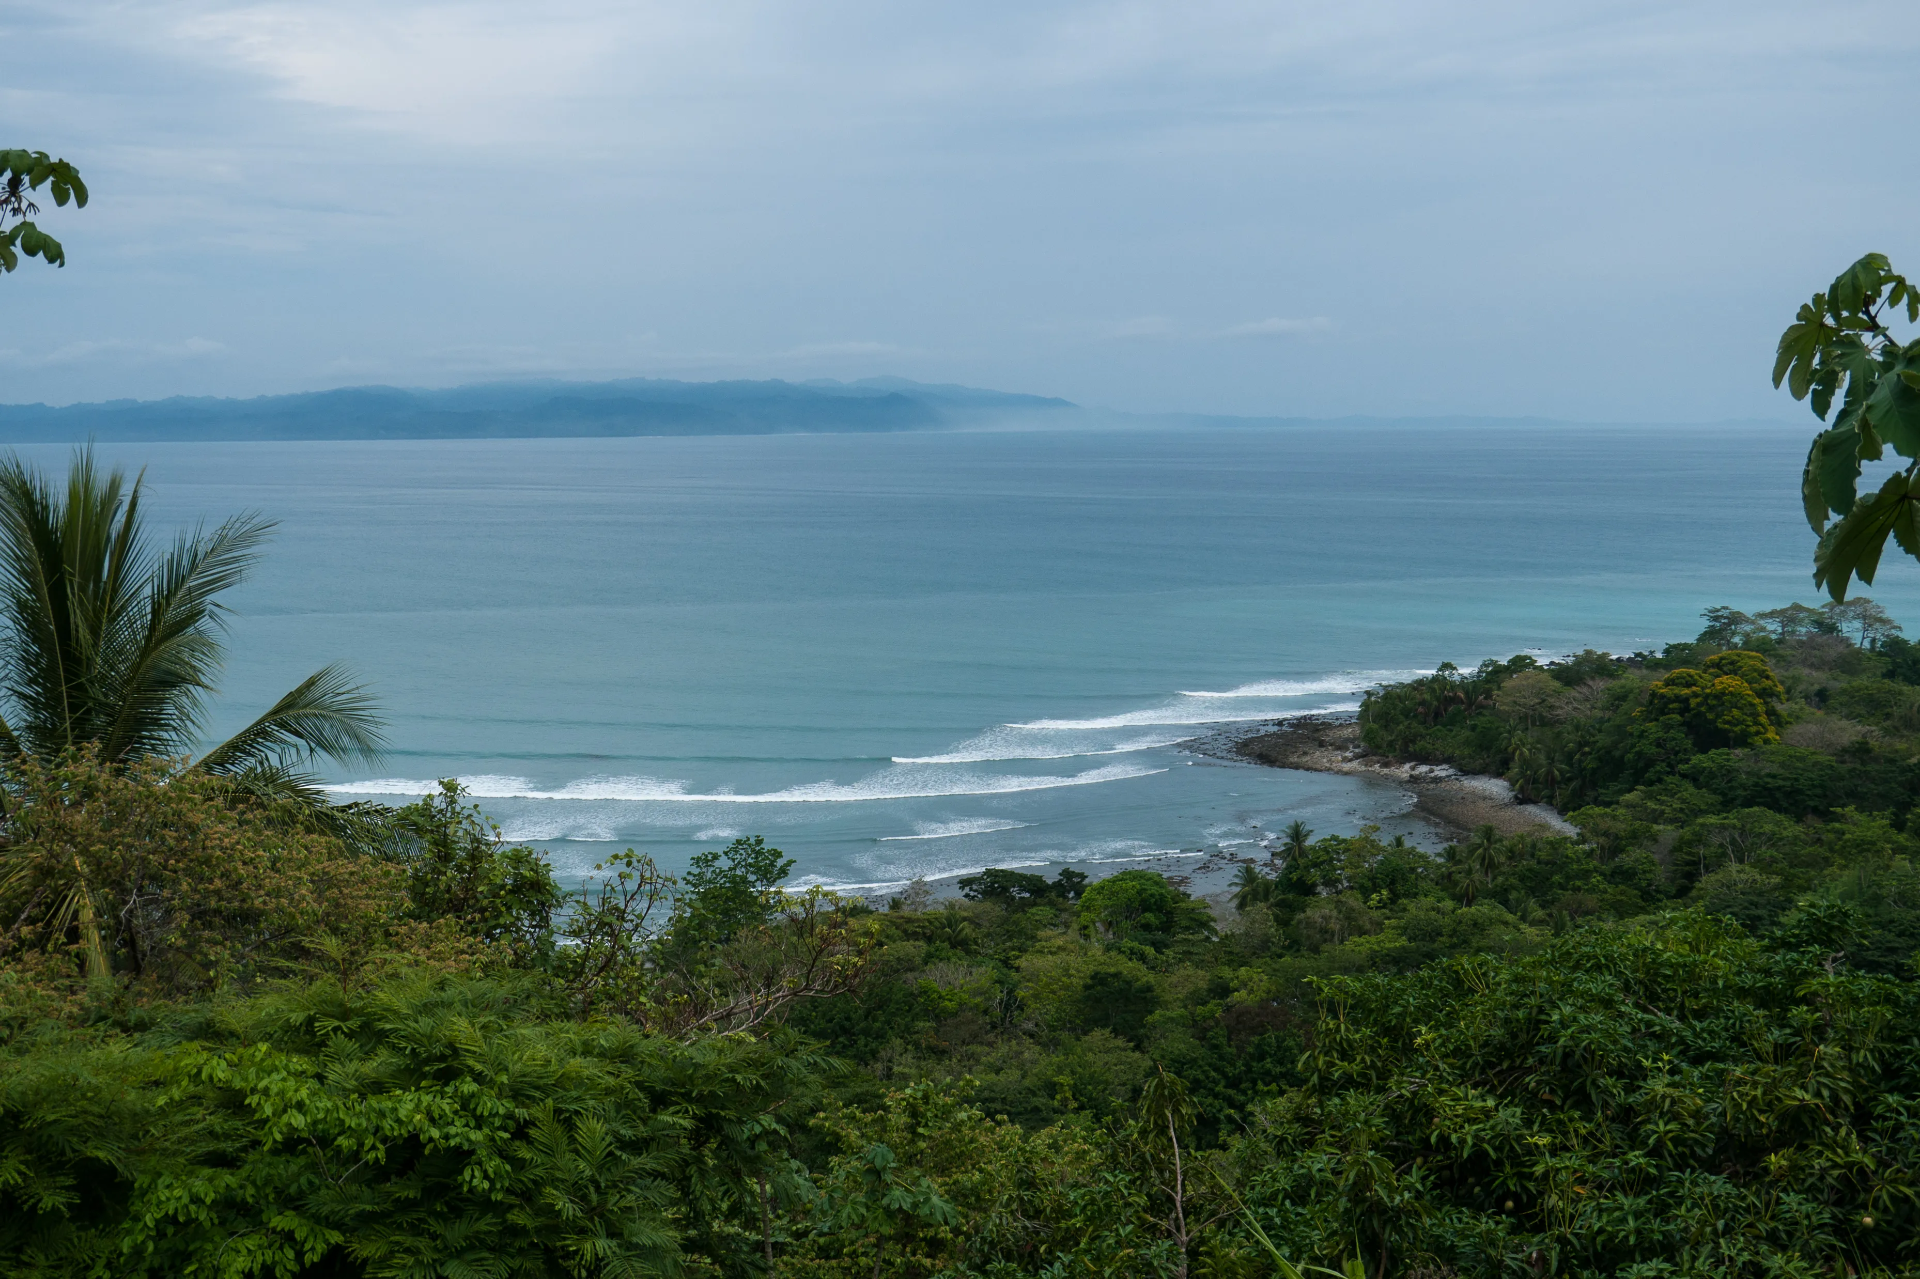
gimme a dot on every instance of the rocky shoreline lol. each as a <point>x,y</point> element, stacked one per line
<point>1461,802</point>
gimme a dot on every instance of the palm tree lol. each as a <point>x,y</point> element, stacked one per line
<point>1485,858</point>
<point>110,645</point>
<point>1250,888</point>
<point>1298,835</point>
<point>1523,907</point>
<point>1524,765</point>
<point>952,928</point>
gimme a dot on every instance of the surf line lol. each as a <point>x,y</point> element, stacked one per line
<point>651,790</point>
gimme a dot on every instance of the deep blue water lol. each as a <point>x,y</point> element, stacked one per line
<point>903,655</point>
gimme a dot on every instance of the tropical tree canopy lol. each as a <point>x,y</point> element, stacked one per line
<point>113,645</point>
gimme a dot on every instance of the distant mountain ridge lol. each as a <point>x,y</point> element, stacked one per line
<point>538,409</point>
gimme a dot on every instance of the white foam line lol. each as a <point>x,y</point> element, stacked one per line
<point>1345,682</point>
<point>951,829</point>
<point>1146,719</point>
<point>987,755</point>
<point>816,881</point>
<point>652,790</point>
<point>1172,715</point>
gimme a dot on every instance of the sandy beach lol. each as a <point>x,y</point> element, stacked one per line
<point>1459,801</point>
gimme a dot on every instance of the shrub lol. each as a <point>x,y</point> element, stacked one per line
<point>1141,906</point>
<point>169,879</point>
<point>1634,1100</point>
<point>1715,709</point>
<point>426,1125</point>
<point>459,869</point>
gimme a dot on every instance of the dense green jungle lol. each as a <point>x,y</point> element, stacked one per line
<point>246,1032</point>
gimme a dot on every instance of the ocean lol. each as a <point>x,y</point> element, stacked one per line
<point>917,655</point>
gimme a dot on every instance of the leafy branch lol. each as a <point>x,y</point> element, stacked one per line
<point>1840,347</point>
<point>21,174</point>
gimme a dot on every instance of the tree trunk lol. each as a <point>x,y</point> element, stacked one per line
<point>766,1221</point>
<point>1179,1201</point>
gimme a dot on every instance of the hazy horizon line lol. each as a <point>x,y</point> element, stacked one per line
<point>883,380</point>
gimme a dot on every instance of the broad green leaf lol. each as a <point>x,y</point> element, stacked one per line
<point>1839,467</point>
<point>1906,531</point>
<point>1799,346</point>
<point>1846,358</point>
<point>1851,548</point>
<point>1894,404</point>
<point>1869,442</point>
<point>1813,500</point>
<point>1849,353</point>
<point>1852,416</point>
<point>34,242</point>
<point>1903,292</point>
<point>1825,380</point>
<point>1858,284</point>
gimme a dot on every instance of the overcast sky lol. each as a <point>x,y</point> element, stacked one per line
<point>1587,211</point>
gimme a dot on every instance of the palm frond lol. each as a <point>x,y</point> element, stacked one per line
<point>109,644</point>
<point>106,644</point>
<point>161,661</point>
<point>293,798</point>
<point>9,749</point>
<point>325,714</point>
<point>36,666</point>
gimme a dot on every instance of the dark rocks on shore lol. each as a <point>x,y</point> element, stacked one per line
<point>1315,745</point>
<point>1460,802</point>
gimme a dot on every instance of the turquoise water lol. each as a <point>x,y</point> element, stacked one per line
<point>907,655</point>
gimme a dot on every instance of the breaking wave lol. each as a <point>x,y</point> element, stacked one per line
<point>891,783</point>
<point>1345,682</point>
<point>947,830</point>
<point>991,747</point>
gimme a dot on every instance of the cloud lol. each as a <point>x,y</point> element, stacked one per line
<point>114,350</point>
<point>1279,327</point>
<point>454,74</point>
<point>1083,197</point>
